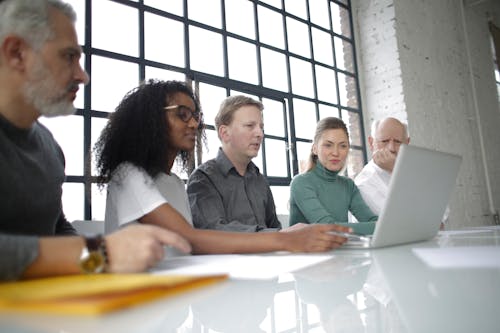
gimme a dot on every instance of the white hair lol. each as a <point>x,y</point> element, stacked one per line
<point>30,19</point>
<point>376,123</point>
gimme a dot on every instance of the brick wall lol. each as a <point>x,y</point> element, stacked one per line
<point>414,65</point>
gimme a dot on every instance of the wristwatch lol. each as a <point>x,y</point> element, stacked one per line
<point>94,257</point>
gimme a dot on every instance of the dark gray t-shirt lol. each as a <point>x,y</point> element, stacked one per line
<point>31,178</point>
<point>18,252</point>
<point>222,199</point>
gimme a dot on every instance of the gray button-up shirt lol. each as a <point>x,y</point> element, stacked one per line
<point>222,199</point>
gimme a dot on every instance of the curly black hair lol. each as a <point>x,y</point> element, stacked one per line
<point>137,131</point>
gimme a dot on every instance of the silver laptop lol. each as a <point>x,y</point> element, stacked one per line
<point>419,191</point>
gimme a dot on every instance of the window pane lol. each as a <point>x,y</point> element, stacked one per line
<point>348,91</point>
<point>353,123</point>
<point>104,72</point>
<point>78,102</point>
<point>274,123</point>
<point>355,162</point>
<point>157,47</point>
<point>297,8</point>
<point>298,38</point>
<point>274,3</point>
<point>271,28</point>
<point>119,36</point>
<point>203,58</point>
<point>258,161</point>
<point>213,144</point>
<point>344,55</point>
<point>319,13</point>
<point>303,151</point>
<point>163,74</point>
<point>276,158</point>
<point>98,202</point>
<point>340,20</point>
<point>240,18</point>
<point>205,11</point>
<point>210,99</point>
<point>326,83</point>
<point>242,59</point>
<point>322,44</point>
<point>79,7</point>
<point>68,132</point>
<point>274,73</point>
<point>172,6</point>
<point>73,201</point>
<point>97,126</point>
<point>328,111</point>
<point>305,118</point>
<point>302,79</point>
<point>281,196</point>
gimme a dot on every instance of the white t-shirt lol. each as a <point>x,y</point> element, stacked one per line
<point>373,184</point>
<point>132,193</point>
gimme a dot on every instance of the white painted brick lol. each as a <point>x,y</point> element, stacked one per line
<point>414,65</point>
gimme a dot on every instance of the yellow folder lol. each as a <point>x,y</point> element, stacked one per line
<point>94,294</point>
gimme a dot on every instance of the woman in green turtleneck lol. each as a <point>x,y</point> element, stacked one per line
<point>321,195</point>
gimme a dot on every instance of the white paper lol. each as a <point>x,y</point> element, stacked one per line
<point>239,266</point>
<point>460,257</point>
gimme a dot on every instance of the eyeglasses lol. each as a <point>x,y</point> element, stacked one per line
<point>185,113</point>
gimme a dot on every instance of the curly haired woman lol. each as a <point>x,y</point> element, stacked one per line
<point>152,126</point>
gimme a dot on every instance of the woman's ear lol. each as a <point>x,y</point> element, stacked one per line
<point>314,149</point>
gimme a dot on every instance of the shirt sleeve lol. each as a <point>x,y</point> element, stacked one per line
<point>18,252</point>
<point>132,194</point>
<point>272,222</point>
<point>207,207</point>
<point>372,188</point>
<point>64,227</point>
<point>306,199</point>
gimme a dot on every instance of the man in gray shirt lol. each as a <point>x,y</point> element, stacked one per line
<point>229,192</point>
<point>40,74</point>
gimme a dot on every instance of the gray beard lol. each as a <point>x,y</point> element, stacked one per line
<point>39,91</point>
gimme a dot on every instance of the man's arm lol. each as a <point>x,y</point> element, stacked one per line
<point>64,227</point>
<point>18,252</point>
<point>272,222</point>
<point>132,249</point>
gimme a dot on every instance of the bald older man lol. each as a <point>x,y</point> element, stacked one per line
<point>387,136</point>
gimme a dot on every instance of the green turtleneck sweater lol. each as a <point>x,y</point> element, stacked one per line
<point>322,196</point>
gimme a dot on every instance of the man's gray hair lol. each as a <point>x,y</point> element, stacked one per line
<point>30,19</point>
<point>377,122</point>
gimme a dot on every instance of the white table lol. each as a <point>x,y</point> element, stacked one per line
<point>449,284</point>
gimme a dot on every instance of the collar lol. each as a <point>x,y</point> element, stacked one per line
<point>226,166</point>
<point>12,130</point>
<point>384,174</point>
<point>324,173</point>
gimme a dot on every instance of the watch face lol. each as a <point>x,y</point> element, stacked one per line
<point>93,263</point>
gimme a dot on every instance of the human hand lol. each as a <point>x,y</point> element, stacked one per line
<point>135,248</point>
<point>316,238</point>
<point>384,158</point>
<point>296,226</point>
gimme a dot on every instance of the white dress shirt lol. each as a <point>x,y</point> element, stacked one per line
<point>373,183</point>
